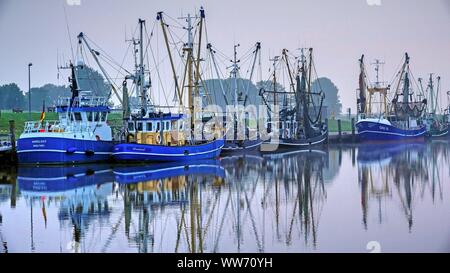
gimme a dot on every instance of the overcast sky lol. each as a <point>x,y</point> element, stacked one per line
<point>340,31</point>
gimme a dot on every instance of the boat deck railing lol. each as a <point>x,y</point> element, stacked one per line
<point>56,126</point>
<point>83,101</point>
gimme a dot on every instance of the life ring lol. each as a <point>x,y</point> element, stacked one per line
<point>158,139</point>
<point>130,138</point>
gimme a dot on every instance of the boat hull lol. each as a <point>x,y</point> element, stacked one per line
<point>57,150</point>
<point>283,145</point>
<point>132,152</point>
<point>234,147</point>
<point>369,131</point>
<point>439,133</point>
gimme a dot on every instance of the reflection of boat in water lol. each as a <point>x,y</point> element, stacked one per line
<point>79,193</point>
<point>399,174</point>
<point>383,153</point>
<point>142,173</point>
<point>57,181</point>
<point>152,190</point>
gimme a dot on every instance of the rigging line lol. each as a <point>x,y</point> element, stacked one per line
<point>84,58</point>
<point>123,74</point>
<point>125,56</point>
<point>68,31</point>
<point>159,75</point>
<point>175,44</point>
<point>107,75</point>
<point>104,54</point>
<point>397,72</point>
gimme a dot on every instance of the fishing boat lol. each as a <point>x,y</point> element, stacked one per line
<point>81,135</point>
<point>401,120</point>
<point>300,125</point>
<point>437,126</point>
<point>156,134</point>
<point>242,135</point>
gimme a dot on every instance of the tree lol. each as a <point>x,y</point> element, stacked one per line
<point>245,89</point>
<point>332,100</point>
<point>11,97</point>
<point>91,80</point>
<point>48,93</point>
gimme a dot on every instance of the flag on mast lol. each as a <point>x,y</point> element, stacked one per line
<point>43,111</point>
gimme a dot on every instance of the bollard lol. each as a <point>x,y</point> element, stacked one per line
<point>353,129</point>
<point>339,130</point>
<point>12,132</point>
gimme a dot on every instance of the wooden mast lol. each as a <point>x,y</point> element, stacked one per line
<point>166,40</point>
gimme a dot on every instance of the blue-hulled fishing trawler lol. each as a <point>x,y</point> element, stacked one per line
<point>301,124</point>
<point>155,134</point>
<point>401,120</point>
<point>81,135</point>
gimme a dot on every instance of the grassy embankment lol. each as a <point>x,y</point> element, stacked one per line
<point>115,120</point>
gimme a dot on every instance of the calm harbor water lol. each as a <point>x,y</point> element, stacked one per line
<point>395,198</point>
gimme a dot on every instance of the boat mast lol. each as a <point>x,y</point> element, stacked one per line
<point>309,74</point>
<point>140,71</point>
<point>275,60</point>
<point>377,65</point>
<point>216,68</point>
<point>256,52</point>
<point>169,52</point>
<point>189,49</point>
<point>95,53</point>
<point>197,67</point>
<point>234,73</point>
<point>431,88</point>
<point>362,87</point>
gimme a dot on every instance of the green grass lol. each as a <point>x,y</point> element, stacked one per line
<point>346,126</point>
<point>20,119</point>
<point>115,120</point>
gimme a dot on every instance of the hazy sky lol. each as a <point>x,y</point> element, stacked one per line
<point>339,31</point>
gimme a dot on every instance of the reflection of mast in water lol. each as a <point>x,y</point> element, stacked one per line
<point>78,192</point>
<point>401,169</point>
<point>160,190</point>
<point>303,183</point>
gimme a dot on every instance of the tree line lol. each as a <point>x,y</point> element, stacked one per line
<point>12,97</point>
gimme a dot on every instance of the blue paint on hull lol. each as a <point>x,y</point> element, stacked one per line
<point>61,179</point>
<point>47,150</point>
<point>158,153</point>
<point>144,173</point>
<point>373,131</point>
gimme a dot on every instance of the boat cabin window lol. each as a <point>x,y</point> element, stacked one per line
<point>104,115</point>
<point>157,126</point>
<point>76,116</point>
<point>139,126</point>
<point>131,126</point>
<point>97,117</point>
<point>149,126</point>
<point>167,125</point>
<point>90,116</point>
